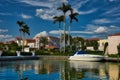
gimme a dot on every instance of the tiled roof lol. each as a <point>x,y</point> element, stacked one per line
<point>30,40</point>
<point>117,34</point>
<point>93,39</point>
<point>18,38</point>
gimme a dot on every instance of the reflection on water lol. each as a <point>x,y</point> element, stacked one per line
<point>58,70</point>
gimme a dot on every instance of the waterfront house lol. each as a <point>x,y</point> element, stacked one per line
<point>30,43</point>
<point>53,42</point>
<point>113,42</point>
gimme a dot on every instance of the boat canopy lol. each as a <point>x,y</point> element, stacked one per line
<point>80,52</point>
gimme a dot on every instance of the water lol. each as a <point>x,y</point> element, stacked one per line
<point>58,70</point>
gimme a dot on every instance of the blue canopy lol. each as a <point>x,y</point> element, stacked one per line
<point>80,52</point>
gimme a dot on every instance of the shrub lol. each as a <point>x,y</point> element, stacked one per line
<point>41,52</point>
<point>7,53</point>
<point>26,53</point>
<point>95,52</point>
<point>118,48</point>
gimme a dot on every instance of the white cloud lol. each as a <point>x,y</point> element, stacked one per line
<point>24,16</point>
<point>79,3</point>
<point>51,11</point>
<point>112,26</point>
<point>56,31</point>
<point>111,11</point>
<point>101,21</point>
<point>37,3</point>
<point>82,32</point>
<point>5,36</point>
<point>72,32</point>
<point>43,33</point>
<point>112,0</point>
<point>100,30</point>
<point>86,12</point>
<point>3,30</point>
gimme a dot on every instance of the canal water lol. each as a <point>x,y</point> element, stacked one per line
<point>58,70</point>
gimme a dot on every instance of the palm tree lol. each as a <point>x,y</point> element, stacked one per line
<point>64,8</point>
<point>72,17</point>
<point>24,29</point>
<point>20,23</point>
<point>59,19</point>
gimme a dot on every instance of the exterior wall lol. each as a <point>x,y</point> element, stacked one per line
<point>53,41</point>
<point>37,44</point>
<point>31,45</point>
<point>102,44</point>
<point>113,42</point>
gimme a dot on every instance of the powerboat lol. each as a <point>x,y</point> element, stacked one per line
<point>83,56</point>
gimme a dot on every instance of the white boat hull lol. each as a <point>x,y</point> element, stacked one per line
<point>86,57</point>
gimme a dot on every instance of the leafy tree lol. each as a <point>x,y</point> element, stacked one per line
<point>95,45</point>
<point>43,41</point>
<point>1,46</point>
<point>13,46</point>
<point>79,42</point>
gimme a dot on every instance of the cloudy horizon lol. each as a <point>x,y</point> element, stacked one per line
<point>96,18</point>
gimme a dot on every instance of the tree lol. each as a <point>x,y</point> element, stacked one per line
<point>64,8</point>
<point>95,45</point>
<point>72,17</point>
<point>59,19</point>
<point>43,41</point>
<point>118,48</point>
<point>78,42</point>
<point>105,47</point>
<point>24,29</point>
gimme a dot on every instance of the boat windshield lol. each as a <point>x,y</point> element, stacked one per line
<point>81,52</point>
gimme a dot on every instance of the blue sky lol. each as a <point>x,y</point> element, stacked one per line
<point>97,18</point>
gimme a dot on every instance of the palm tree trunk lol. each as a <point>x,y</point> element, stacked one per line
<point>69,34</point>
<point>23,42</point>
<point>64,33</point>
<point>60,37</point>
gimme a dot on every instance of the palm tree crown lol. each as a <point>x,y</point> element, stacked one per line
<point>64,8</point>
<point>58,18</point>
<point>73,16</point>
<point>23,27</point>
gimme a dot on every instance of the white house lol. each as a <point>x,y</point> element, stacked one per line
<point>53,42</point>
<point>113,42</point>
